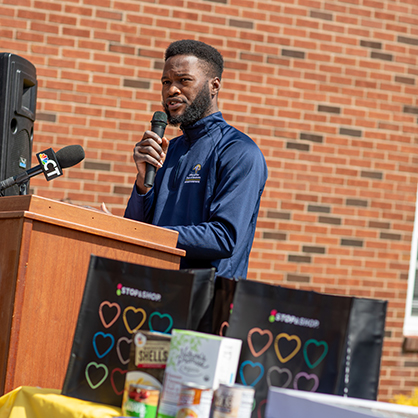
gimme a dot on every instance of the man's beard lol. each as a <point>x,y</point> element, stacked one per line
<point>194,111</point>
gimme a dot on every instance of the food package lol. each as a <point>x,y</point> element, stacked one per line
<point>148,358</point>
<point>199,358</point>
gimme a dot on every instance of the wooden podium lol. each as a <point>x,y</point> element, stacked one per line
<point>45,249</point>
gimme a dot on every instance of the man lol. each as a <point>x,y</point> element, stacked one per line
<point>210,179</point>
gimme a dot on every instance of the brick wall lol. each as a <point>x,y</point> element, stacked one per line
<point>328,89</point>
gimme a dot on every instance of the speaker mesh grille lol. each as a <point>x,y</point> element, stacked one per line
<point>18,90</point>
<point>20,146</point>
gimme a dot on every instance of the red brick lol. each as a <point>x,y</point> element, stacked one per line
<point>31,15</point>
<point>79,11</point>
<point>47,5</point>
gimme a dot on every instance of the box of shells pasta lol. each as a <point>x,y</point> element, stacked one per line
<point>148,359</point>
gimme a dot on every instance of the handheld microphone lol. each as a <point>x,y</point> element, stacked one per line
<point>158,124</point>
<point>65,157</point>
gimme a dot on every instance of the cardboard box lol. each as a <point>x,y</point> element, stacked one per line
<point>148,358</point>
<point>288,403</point>
<point>202,359</point>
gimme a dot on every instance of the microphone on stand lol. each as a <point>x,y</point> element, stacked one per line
<point>51,164</point>
<point>158,124</point>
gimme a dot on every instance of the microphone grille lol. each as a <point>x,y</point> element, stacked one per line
<point>159,117</point>
<point>70,155</point>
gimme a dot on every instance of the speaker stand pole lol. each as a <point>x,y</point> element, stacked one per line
<point>23,189</point>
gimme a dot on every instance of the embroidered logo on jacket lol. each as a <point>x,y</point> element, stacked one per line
<point>194,176</point>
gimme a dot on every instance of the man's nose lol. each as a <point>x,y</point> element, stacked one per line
<point>174,90</point>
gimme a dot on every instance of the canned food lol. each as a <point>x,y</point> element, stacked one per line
<point>234,401</point>
<point>194,401</point>
<point>141,401</point>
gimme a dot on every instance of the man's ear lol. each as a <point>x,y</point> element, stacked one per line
<point>215,86</point>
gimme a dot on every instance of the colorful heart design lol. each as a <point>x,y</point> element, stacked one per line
<point>97,366</point>
<point>307,377</point>
<point>102,334</point>
<point>266,346</point>
<point>110,305</point>
<point>121,359</point>
<point>260,409</point>
<point>280,371</point>
<point>224,325</point>
<point>317,344</point>
<point>288,338</point>
<point>251,364</point>
<point>112,381</point>
<point>161,316</point>
<point>135,310</point>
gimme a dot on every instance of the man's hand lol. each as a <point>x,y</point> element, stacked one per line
<point>104,209</point>
<point>152,150</point>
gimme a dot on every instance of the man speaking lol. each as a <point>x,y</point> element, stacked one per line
<point>210,179</point>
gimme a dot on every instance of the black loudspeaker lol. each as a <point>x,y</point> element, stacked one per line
<point>18,89</point>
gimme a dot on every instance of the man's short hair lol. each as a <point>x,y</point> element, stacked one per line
<point>200,50</point>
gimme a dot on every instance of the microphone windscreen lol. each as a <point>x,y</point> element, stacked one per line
<point>159,116</point>
<point>70,155</point>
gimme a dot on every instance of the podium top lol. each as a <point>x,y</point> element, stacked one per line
<point>88,220</point>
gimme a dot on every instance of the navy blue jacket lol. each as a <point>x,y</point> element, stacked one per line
<point>208,190</point>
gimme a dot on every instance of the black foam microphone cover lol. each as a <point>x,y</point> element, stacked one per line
<point>158,124</point>
<point>70,155</point>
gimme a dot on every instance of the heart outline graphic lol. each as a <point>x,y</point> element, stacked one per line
<point>288,338</point>
<point>252,364</point>
<point>305,352</point>
<point>136,310</point>
<point>225,324</point>
<point>307,377</point>
<point>261,332</point>
<point>111,305</point>
<point>121,359</point>
<point>280,371</point>
<point>101,366</point>
<point>104,336</point>
<point>259,414</point>
<point>167,330</point>
<point>113,382</point>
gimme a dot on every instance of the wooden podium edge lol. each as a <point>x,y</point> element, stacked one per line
<point>19,292</point>
<point>89,217</point>
<point>92,230</point>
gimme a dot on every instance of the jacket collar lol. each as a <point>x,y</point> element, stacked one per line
<point>200,128</point>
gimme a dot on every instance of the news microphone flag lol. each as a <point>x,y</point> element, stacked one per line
<point>49,164</point>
